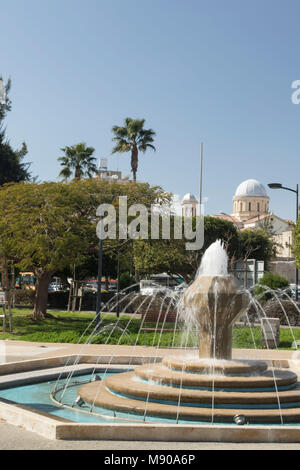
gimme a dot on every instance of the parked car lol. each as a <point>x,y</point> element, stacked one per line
<point>180,288</point>
<point>292,288</point>
<point>148,287</point>
<point>90,286</point>
<point>53,287</point>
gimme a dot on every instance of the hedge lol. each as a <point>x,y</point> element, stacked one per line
<point>287,311</point>
<point>59,299</point>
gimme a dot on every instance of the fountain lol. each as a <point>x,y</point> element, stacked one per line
<point>210,386</point>
<point>196,392</point>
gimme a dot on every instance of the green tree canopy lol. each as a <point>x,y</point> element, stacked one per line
<point>171,256</point>
<point>12,167</point>
<point>48,227</point>
<point>296,243</point>
<point>256,244</point>
<point>272,281</point>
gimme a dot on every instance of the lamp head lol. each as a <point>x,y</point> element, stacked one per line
<point>275,185</point>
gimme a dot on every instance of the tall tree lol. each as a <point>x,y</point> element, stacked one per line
<point>256,244</point>
<point>12,168</point>
<point>171,256</point>
<point>296,243</point>
<point>132,137</point>
<point>78,159</point>
<point>49,227</point>
<point>42,228</point>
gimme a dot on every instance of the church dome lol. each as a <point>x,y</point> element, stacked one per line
<point>189,197</point>
<point>251,187</point>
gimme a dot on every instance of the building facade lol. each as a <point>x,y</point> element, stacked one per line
<point>251,211</point>
<point>111,176</point>
<point>250,200</point>
<point>189,205</point>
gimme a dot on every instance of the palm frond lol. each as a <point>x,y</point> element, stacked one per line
<point>132,136</point>
<point>144,146</point>
<point>78,159</point>
<point>121,146</point>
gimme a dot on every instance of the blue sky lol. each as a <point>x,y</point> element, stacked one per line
<point>211,71</point>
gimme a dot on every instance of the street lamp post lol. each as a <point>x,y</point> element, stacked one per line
<point>296,191</point>
<point>99,280</point>
<point>118,286</point>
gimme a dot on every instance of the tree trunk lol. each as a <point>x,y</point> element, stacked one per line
<point>77,173</point>
<point>134,161</point>
<point>6,282</point>
<point>41,294</point>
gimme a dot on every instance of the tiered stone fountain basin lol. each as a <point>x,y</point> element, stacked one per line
<point>160,389</point>
<point>211,386</point>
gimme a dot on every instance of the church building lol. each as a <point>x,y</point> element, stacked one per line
<point>251,211</point>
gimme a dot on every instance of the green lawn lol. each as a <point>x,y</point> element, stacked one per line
<point>251,338</point>
<point>78,327</point>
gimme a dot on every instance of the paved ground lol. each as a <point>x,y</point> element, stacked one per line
<point>14,438</point>
<point>11,350</point>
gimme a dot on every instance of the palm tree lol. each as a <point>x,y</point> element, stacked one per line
<point>77,159</point>
<point>133,137</point>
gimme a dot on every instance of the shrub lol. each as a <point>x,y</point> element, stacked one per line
<point>58,299</point>
<point>271,281</point>
<point>24,297</point>
<point>286,310</point>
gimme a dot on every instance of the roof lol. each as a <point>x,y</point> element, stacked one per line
<point>257,218</point>
<point>251,187</point>
<point>189,197</point>
<point>229,218</point>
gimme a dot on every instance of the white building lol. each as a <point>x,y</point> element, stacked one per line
<point>111,176</point>
<point>250,200</point>
<point>189,205</point>
<point>251,211</point>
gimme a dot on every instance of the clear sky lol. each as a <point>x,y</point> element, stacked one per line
<point>211,71</point>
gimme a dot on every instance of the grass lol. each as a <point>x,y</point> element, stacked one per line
<point>67,327</point>
<point>252,339</point>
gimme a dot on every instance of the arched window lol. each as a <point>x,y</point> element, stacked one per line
<point>258,206</point>
<point>249,206</point>
<point>241,206</point>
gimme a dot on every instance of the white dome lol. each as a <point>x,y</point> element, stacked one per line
<point>251,188</point>
<point>189,197</point>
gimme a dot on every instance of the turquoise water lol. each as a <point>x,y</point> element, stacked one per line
<point>37,396</point>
